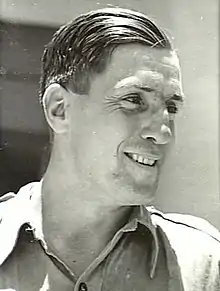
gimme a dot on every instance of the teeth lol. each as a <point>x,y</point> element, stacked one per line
<point>142,160</point>
<point>135,157</point>
<point>150,162</point>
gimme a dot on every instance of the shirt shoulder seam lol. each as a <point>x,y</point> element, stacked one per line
<point>158,213</point>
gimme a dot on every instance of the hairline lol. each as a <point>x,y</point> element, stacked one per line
<point>108,59</point>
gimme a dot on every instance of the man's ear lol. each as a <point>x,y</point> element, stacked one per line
<point>56,103</point>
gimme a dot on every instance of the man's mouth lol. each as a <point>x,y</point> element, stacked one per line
<point>141,160</point>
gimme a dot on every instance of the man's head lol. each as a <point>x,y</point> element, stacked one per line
<point>110,87</point>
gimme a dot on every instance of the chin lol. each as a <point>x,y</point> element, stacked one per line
<point>129,189</point>
<point>144,185</point>
<point>136,194</point>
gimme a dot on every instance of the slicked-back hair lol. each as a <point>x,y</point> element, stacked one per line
<point>83,47</point>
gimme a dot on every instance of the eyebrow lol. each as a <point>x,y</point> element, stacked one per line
<point>137,86</point>
<point>176,97</point>
<point>144,88</point>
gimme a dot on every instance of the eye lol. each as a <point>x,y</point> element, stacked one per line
<point>134,98</point>
<point>172,107</point>
<point>133,102</point>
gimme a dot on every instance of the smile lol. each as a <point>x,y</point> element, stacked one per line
<point>141,160</point>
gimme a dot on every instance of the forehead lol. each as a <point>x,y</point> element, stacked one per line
<point>136,64</point>
<point>144,62</point>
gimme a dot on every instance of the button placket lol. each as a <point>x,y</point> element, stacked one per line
<point>83,287</point>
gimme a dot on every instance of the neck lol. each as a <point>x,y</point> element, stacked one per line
<point>77,228</point>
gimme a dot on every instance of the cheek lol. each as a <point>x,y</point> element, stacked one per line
<point>98,137</point>
<point>111,130</point>
<point>105,141</point>
<point>101,146</point>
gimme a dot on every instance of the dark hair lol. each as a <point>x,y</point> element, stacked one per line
<point>83,46</point>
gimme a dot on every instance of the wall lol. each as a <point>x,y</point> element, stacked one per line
<point>190,182</point>
<point>194,184</point>
<point>23,129</point>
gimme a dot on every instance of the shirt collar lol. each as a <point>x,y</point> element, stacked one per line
<point>142,216</point>
<point>29,197</point>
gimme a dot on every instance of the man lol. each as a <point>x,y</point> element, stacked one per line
<point>110,89</point>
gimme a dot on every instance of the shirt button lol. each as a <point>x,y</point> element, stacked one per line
<point>83,286</point>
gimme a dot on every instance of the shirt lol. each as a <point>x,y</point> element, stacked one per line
<point>153,251</point>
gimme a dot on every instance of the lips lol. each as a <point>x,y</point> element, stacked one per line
<point>142,160</point>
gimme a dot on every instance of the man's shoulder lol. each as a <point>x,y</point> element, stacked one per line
<point>15,211</point>
<point>196,245</point>
<point>175,224</point>
<point>16,203</point>
<point>22,193</point>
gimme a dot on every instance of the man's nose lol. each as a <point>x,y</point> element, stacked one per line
<point>160,136</point>
<point>158,131</point>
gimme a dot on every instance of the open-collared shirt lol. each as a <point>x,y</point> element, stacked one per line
<point>153,251</point>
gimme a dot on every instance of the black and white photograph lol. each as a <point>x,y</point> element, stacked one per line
<point>109,145</point>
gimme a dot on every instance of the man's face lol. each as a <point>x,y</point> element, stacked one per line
<point>122,130</point>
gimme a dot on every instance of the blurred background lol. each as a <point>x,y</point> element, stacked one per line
<point>190,181</point>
